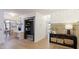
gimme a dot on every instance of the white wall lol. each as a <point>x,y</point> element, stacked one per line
<point>47,19</point>
<point>65,16</point>
<point>40,27</point>
<point>1,26</point>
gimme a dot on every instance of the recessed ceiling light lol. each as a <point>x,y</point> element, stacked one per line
<point>12,14</point>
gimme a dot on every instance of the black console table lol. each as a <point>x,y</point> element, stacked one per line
<point>64,36</point>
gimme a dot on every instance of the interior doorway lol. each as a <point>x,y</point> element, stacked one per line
<point>29,28</point>
<point>7,29</point>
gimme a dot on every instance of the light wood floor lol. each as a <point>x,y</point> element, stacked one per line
<point>29,44</point>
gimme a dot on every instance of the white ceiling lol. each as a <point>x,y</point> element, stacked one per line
<point>25,11</point>
<point>43,11</point>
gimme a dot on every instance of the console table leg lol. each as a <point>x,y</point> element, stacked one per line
<point>75,44</point>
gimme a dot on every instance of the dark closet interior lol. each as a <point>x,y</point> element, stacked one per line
<point>29,28</point>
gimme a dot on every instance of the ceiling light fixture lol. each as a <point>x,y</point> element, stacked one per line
<point>12,14</point>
